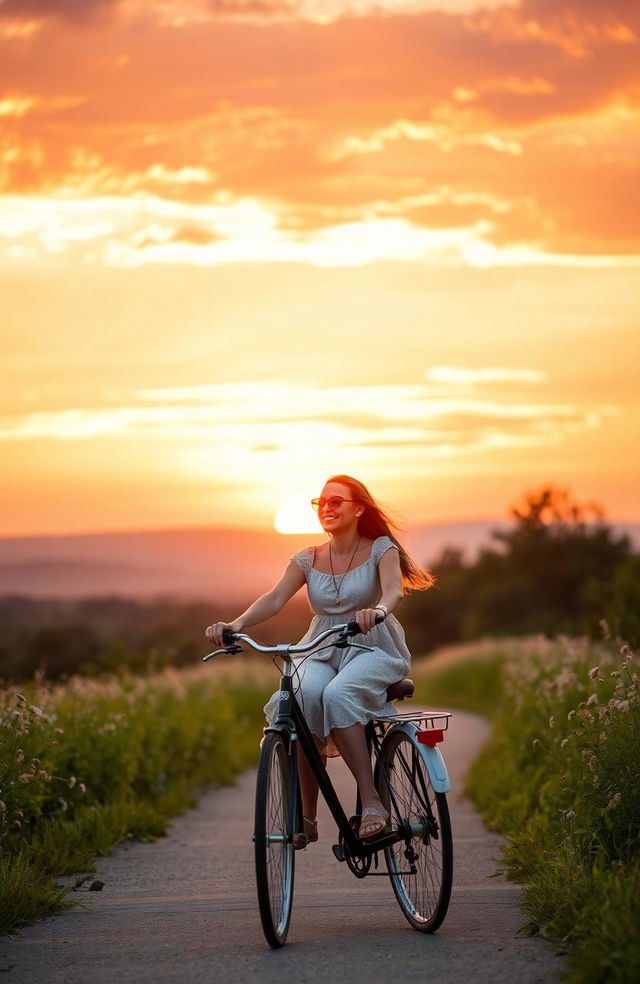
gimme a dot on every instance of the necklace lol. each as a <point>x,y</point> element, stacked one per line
<point>337,584</point>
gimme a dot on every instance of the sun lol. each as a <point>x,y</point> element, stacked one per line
<point>295,515</point>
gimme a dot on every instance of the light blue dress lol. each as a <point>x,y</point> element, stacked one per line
<point>340,687</point>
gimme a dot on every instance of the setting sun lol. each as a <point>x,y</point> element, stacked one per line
<point>296,515</point>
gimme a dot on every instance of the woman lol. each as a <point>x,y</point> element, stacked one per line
<point>361,573</point>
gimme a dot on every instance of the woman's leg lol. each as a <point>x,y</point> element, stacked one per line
<point>314,676</point>
<point>352,745</point>
<point>308,783</point>
<point>357,692</point>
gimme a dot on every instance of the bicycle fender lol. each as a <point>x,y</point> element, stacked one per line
<point>432,759</point>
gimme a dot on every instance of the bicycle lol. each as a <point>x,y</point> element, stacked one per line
<point>411,779</point>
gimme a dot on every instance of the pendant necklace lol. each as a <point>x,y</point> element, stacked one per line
<point>337,584</point>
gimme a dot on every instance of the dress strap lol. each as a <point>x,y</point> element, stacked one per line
<point>304,559</point>
<point>380,546</point>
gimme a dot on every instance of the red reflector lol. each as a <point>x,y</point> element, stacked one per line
<point>430,737</point>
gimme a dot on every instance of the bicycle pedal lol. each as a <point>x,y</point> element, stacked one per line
<point>338,852</point>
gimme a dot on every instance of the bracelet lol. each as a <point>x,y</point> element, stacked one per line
<point>382,608</point>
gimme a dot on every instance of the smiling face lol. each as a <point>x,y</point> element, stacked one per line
<point>339,517</point>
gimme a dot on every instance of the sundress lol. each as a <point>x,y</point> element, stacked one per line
<point>340,687</point>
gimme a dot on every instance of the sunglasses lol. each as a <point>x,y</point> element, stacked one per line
<point>333,502</point>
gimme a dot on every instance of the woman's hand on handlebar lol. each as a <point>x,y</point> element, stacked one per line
<point>366,618</point>
<point>214,632</point>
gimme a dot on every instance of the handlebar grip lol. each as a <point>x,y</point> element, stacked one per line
<point>228,637</point>
<point>354,629</point>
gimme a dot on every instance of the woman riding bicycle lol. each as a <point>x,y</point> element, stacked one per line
<point>361,573</point>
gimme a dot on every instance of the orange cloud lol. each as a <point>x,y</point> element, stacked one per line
<point>521,121</point>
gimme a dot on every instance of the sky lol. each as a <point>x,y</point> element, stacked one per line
<point>246,244</point>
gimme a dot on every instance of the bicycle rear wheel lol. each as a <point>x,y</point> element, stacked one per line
<point>274,853</point>
<point>420,867</point>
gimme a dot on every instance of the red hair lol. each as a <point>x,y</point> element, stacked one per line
<point>374,522</point>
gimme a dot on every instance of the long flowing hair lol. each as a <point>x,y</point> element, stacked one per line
<point>374,522</point>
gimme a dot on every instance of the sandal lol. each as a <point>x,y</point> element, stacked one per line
<point>308,836</point>
<point>379,821</point>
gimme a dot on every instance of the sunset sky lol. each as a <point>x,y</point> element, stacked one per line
<point>248,243</point>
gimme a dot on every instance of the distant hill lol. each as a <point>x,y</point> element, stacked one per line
<point>219,564</point>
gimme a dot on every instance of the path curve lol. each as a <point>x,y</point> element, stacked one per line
<point>183,909</point>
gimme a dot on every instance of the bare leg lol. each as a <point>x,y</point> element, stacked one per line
<point>352,745</point>
<point>308,784</point>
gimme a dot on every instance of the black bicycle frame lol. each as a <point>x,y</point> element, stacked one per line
<point>291,721</point>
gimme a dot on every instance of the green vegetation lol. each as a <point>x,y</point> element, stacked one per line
<point>86,765</point>
<point>559,569</point>
<point>566,794</point>
<point>103,636</point>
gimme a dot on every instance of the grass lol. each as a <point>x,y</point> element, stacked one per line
<point>86,765</point>
<point>566,732</point>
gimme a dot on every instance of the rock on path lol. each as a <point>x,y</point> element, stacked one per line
<point>183,909</point>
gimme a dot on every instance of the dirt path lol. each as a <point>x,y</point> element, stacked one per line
<point>183,909</point>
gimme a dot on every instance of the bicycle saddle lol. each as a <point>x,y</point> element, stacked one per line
<point>400,690</point>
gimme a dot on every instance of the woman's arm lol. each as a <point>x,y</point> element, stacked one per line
<point>391,584</point>
<point>265,607</point>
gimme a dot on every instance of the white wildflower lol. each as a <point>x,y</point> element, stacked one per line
<point>552,722</point>
<point>564,743</point>
<point>571,715</point>
<point>593,672</point>
<point>593,699</point>
<point>71,781</point>
<point>82,788</point>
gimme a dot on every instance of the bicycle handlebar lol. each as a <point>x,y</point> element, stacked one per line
<point>231,640</point>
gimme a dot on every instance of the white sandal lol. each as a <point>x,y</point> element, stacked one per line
<point>380,821</point>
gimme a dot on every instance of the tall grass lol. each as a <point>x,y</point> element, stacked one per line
<point>560,779</point>
<point>88,764</point>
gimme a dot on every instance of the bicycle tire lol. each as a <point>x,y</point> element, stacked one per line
<point>420,869</point>
<point>274,852</point>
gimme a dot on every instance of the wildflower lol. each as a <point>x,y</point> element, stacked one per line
<point>536,742</point>
<point>622,705</point>
<point>19,755</point>
<point>21,699</point>
<point>25,776</point>
<point>63,804</point>
<point>564,743</point>
<point>82,788</point>
<point>71,782</point>
<point>3,807</point>
<point>571,715</point>
<point>36,711</point>
<point>593,672</point>
<point>552,722</point>
<point>613,802</point>
<point>593,699</point>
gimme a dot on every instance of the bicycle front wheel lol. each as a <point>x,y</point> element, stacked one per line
<point>421,866</point>
<point>274,853</point>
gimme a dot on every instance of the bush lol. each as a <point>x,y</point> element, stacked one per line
<point>85,765</point>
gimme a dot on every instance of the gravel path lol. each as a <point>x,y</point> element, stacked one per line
<point>183,909</point>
